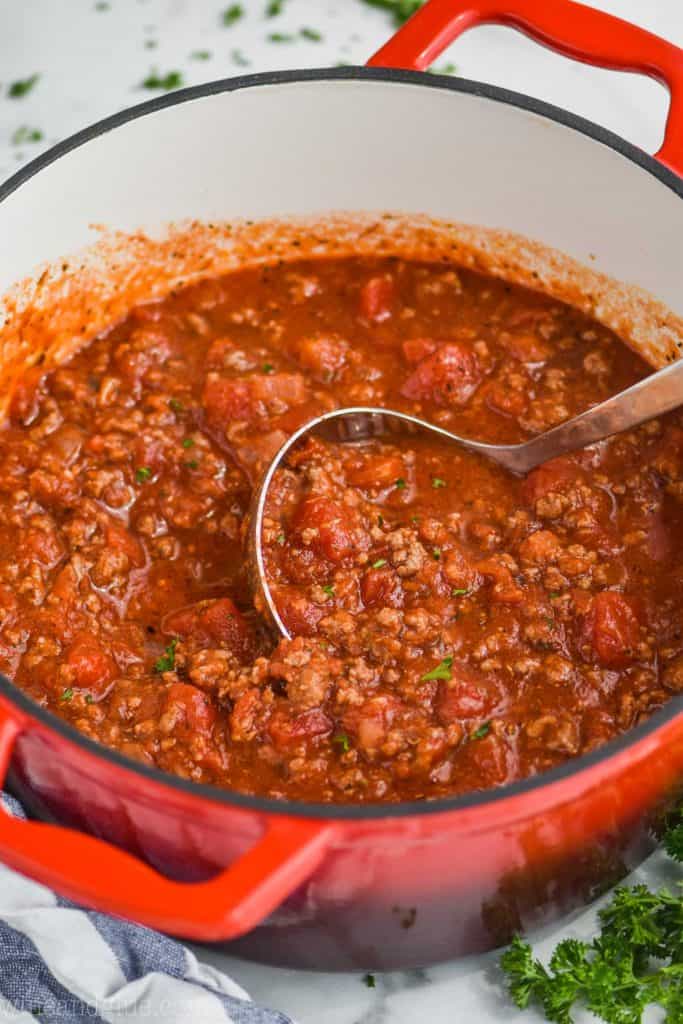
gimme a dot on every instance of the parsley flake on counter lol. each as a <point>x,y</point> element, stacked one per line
<point>171,80</point>
<point>67,695</point>
<point>142,473</point>
<point>311,34</point>
<point>26,134</point>
<point>342,740</point>
<point>200,55</point>
<point>379,563</point>
<point>445,69</point>
<point>166,662</point>
<point>22,87</point>
<point>274,8</point>
<point>400,10</point>
<point>442,671</point>
<point>239,59</point>
<point>483,730</point>
<point>102,5</point>
<point>232,14</point>
<point>281,37</point>
<point>369,981</point>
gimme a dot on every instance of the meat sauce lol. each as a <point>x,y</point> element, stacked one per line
<point>455,627</point>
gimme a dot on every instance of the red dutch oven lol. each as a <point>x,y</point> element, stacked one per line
<point>354,886</point>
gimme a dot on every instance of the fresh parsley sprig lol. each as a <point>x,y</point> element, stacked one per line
<point>634,962</point>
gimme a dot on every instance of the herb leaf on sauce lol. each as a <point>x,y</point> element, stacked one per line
<point>142,473</point>
<point>442,671</point>
<point>166,662</point>
<point>483,730</point>
<point>342,740</point>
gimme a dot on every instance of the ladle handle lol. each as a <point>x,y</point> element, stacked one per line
<point>653,396</point>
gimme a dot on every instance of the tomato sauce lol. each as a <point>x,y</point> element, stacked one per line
<point>455,627</point>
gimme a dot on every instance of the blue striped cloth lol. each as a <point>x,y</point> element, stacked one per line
<point>61,964</point>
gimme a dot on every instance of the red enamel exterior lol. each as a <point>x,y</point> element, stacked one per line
<point>338,887</point>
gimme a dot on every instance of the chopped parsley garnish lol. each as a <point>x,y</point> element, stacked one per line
<point>400,10</point>
<point>400,484</point>
<point>436,554</point>
<point>142,473</point>
<point>459,591</point>
<point>483,730</point>
<point>232,14</point>
<point>311,34</point>
<point>267,367</point>
<point>281,37</point>
<point>342,740</point>
<point>445,69</point>
<point>191,464</point>
<point>379,563</point>
<point>171,80</point>
<point>22,87</point>
<point>437,482</point>
<point>555,593</point>
<point>329,589</point>
<point>442,671</point>
<point>67,695</point>
<point>102,5</point>
<point>188,442</point>
<point>239,59</point>
<point>200,55</point>
<point>280,539</point>
<point>88,698</point>
<point>26,134</point>
<point>274,8</point>
<point>369,981</point>
<point>175,405</point>
<point>166,662</point>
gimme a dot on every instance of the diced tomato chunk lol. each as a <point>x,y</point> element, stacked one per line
<point>300,616</point>
<point>323,354</point>
<point>93,669</point>
<point>380,588</point>
<point>326,527</point>
<point>555,475</point>
<point>468,694</point>
<point>615,629</point>
<point>212,623</point>
<point>377,298</point>
<point>227,400</point>
<point>120,539</point>
<point>448,377</point>
<point>285,730</point>
<point>416,349</point>
<point>192,707</point>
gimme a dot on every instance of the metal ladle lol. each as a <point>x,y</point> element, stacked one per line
<point>655,395</point>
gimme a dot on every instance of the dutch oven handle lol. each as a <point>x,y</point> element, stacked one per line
<point>95,873</point>
<point>572,29</point>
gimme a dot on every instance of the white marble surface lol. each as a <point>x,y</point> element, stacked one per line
<point>90,63</point>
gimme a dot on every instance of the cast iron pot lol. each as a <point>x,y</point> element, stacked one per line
<point>372,886</point>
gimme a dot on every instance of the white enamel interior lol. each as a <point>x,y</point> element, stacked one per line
<point>318,146</point>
